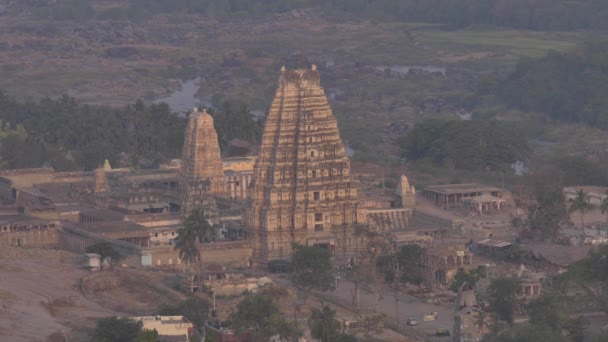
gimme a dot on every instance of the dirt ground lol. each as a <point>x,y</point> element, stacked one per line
<point>41,297</point>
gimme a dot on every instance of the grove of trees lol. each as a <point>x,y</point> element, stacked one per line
<point>523,14</point>
<point>564,86</point>
<point>472,145</point>
<point>69,135</point>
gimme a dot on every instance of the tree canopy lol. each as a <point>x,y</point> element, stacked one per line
<point>112,329</point>
<point>258,314</point>
<point>473,145</point>
<point>311,268</point>
<point>522,14</point>
<point>548,207</point>
<point>195,309</point>
<point>568,86</point>
<point>590,275</point>
<point>501,293</point>
<point>323,324</point>
<point>104,249</point>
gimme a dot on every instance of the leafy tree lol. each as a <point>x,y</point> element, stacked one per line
<point>528,333</point>
<point>468,278</point>
<point>590,275</point>
<point>474,144</point>
<point>548,310</point>
<point>195,309</point>
<point>548,209</point>
<point>104,249</point>
<point>234,121</point>
<point>576,328</point>
<point>147,336</point>
<point>409,259</point>
<point>323,324</point>
<point>502,295</point>
<point>258,314</point>
<point>344,338</point>
<point>311,268</point>
<point>580,203</point>
<point>112,329</point>
<point>567,86</point>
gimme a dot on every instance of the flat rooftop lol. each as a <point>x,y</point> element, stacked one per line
<point>20,219</point>
<point>451,189</point>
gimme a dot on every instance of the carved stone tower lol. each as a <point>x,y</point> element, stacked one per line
<point>101,182</point>
<point>407,193</point>
<point>302,189</point>
<point>202,171</point>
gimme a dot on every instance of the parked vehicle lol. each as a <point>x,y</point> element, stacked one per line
<point>442,332</point>
<point>412,322</point>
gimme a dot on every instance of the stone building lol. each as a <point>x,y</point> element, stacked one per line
<point>407,193</point>
<point>202,171</point>
<point>101,182</point>
<point>302,187</point>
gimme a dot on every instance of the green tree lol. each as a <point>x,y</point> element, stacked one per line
<point>590,275</point>
<point>344,338</point>
<point>528,333</point>
<point>311,268</point>
<point>147,336</point>
<point>409,259</point>
<point>195,309</point>
<point>258,314</point>
<point>468,278</point>
<point>323,324</point>
<point>548,209</point>
<point>581,203</point>
<point>104,249</point>
<point>113,329</point>
<point>502,295</point>
<point>549,310</point>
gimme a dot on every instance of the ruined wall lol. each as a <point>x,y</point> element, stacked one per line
<point>235,254</point>
<point>44,238</point>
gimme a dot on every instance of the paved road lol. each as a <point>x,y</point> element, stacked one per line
<point>408,306</point>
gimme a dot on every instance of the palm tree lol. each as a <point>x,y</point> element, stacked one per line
<point>604,205</point>
<point>581,204</point>
<point>196,228</point>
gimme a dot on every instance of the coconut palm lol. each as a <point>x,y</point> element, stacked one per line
<point>196,228</point>
<point>580,203</point>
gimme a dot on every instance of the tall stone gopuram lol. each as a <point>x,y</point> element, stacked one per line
<point>302,187</point>
<point>202,171</point>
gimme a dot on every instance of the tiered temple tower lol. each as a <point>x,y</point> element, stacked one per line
<point>101,181</point>
<point>407,193</point>
<point>202,171</point>
<point>302,189</point>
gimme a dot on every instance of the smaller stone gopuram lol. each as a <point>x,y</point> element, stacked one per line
<point>101,182</point>
<point>407,193</point>
<point>202,171</point>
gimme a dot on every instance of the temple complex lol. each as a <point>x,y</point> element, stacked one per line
<point>299,188</point>
<point>302,189</point>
